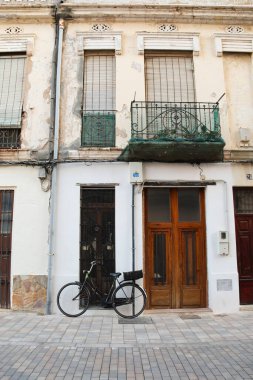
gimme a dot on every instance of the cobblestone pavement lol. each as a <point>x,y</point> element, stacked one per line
<point>98,345</point>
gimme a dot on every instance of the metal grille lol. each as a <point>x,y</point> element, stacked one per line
<point>243,199</point>
<point>98,234</point>
<point>157,120</point>
<point>11,99</point>
<point>160,264</point>
<point>169,78</point>
<point>99,100</point>
<point>10,138</point>
<point>98,128</point>
<point>6,216</point>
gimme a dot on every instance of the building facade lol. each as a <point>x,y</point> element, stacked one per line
<point>134,148</point>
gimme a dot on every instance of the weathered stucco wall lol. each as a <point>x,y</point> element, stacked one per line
<point>37,82</point>
<point>29,251</point>
<point>211,72</point>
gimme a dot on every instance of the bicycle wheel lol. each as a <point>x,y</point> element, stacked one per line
<point>129,300</point>
<point>73,299</point>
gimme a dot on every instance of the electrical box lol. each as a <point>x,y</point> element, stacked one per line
<point>42,173</point>
<point>244,135</point>
<point>136,175</point>
<point>223,243</point>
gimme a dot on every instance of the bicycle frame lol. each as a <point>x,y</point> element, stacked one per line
<point>93,288</point>
<point>120,293</point>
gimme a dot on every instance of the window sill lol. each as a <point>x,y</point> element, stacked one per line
<point>94,153</point>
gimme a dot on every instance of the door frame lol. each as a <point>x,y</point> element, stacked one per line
<point>245,283</point>
<point>7,299</point>
<point>96,230</point>
<point>176,229</point>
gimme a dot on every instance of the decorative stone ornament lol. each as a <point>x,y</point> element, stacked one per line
<point>99,41</point>
<point>168,41</point>
<point>234,43</point>
<point>17,43</point>
<point>234,29</point>
<point>100,27</point>
<point>13,30</point>
<point>167,28</point>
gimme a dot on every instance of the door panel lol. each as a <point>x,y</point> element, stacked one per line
<point>6,216</point>
<point>159,268</point>
<point>243,203</point>
<point>175,254</point>
<point>98,235</point>
<point>190,242</point>
<point>244,238</point>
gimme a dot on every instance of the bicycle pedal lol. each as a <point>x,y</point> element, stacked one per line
<point>107,305</point>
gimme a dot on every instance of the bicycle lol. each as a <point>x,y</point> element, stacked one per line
<point>126,297</point>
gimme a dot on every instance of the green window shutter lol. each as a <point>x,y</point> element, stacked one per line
<point>98,130</point>
<point>98,124</point>
<point>11,91</point>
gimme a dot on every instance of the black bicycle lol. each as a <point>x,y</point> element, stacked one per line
<point>126,297</point>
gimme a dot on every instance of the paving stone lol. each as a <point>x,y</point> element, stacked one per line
<point>98,347</point>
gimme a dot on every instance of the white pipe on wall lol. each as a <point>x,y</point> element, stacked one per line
<point>54,167</point>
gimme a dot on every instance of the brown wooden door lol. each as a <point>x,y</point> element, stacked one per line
<point>175,260</point>
<point>6,214</point>
<point>243,199</point>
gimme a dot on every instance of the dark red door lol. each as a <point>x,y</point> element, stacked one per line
<point>244,240</point>
<point>6,212</point>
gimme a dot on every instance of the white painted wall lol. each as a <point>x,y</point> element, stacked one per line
<point>67,236</point>
<point>29,254</point>
<point>218,217</point>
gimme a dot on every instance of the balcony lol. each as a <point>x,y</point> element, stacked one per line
<point>98,129</point>
<point>174,132</point>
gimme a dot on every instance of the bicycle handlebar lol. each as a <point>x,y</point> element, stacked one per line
<point>92,264</point>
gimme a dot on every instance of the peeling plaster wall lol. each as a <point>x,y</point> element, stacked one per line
<point>238,72</point>
<point>38,98</point>
<point>209,70</point>
<point>166,2</point>
<point>37,84</point>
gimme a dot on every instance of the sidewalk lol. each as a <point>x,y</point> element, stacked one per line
<point>99,345</point>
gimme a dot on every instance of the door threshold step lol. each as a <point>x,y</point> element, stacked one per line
<point>178,311</point>
<point>246,308</point>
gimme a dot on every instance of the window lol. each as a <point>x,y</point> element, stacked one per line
<point>169,77</point>
<point>170,94</point>
<point>12,68</point>
<point>98,127</point>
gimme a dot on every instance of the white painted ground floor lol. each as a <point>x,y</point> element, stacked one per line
<point>184,230</point>
<point>186,262</point>
<point>24,224</point>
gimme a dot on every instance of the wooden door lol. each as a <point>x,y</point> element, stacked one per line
<point>243,201</point>
<point>6,213</point>
<point>175,260</point>
<point>98,235</point>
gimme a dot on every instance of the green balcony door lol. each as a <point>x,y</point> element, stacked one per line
<point>98,121</point>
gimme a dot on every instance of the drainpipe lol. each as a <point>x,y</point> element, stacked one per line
<point>54,165</point>
<point>133,229</point>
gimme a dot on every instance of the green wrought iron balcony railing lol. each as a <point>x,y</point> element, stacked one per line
<point>175,121</point>
<point>174,132</point>
<point>98,129</point>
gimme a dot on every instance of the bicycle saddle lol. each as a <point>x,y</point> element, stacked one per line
<point>115,275</point>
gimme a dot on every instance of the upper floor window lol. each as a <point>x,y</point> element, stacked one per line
<point>169,77</point>
<point>98,124</point>
<point>12,68</point>
<point>170,94</point>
